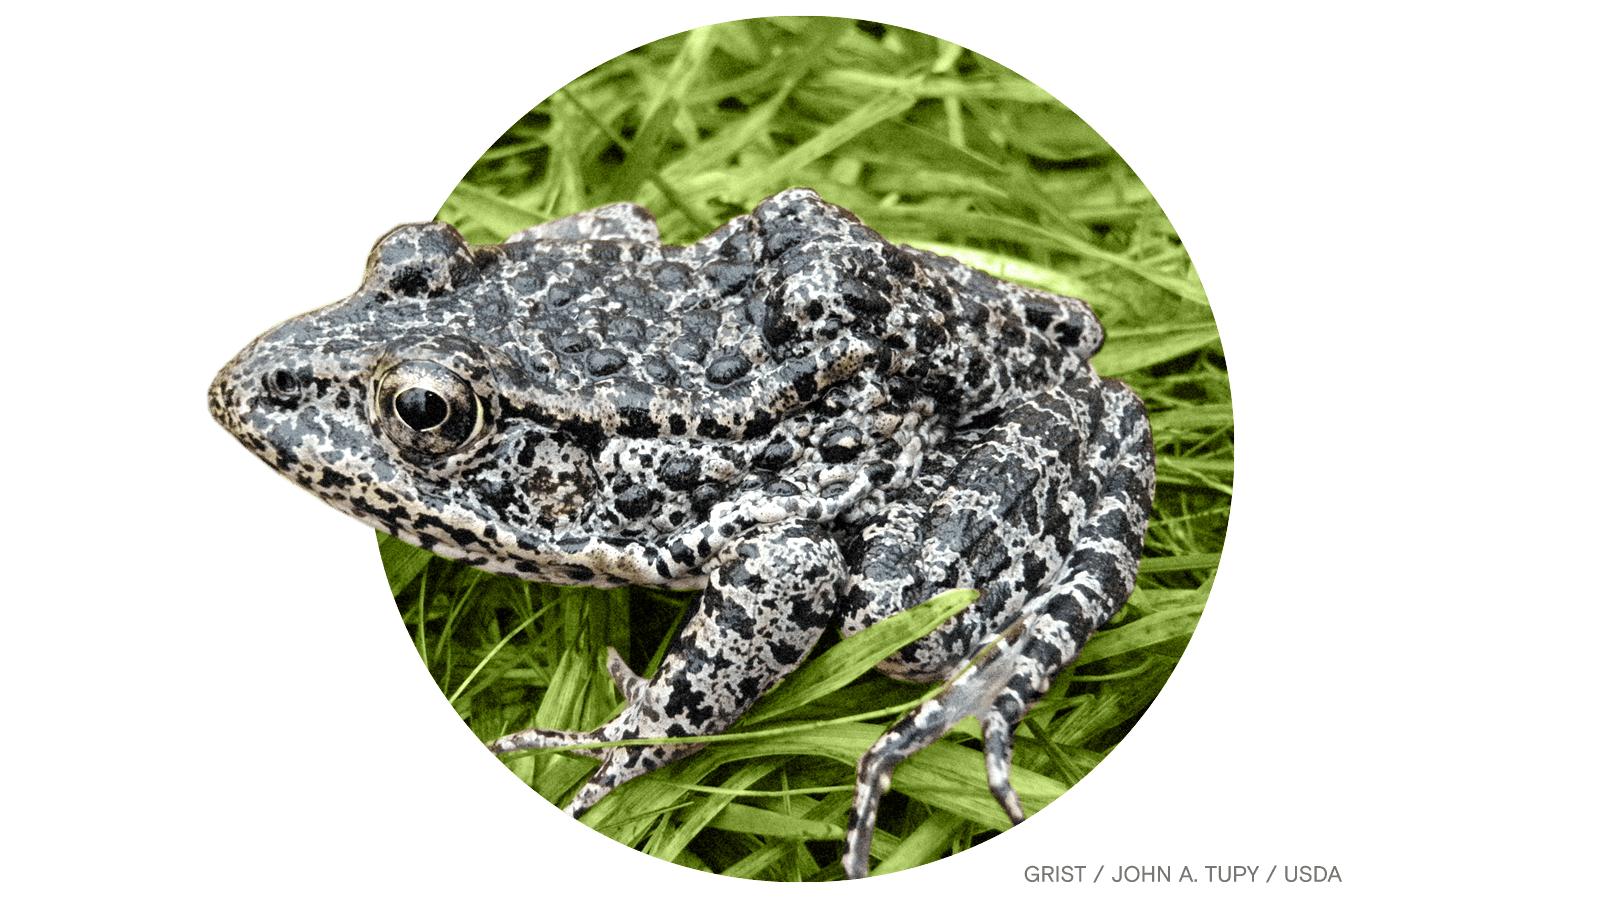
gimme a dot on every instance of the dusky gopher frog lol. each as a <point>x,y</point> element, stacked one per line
<point>810,425</point>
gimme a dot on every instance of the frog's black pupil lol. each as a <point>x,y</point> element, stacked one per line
<point>285,383</point>
<point>421,408</point>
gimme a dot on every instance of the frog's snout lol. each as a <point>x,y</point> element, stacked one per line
<point>219,399</point>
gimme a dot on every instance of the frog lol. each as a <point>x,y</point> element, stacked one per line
<point>808,424</point>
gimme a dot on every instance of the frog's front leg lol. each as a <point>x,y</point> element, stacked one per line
<point>769,596</point>
<point>1046,514</point>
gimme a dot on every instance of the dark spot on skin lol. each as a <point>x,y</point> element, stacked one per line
<point>332,479</point>
<point>786,654</point>
<point>783,234</point>
<point>862,299</point>
<point>626,328</point>
<point>689,348</point>
<point>709,427</point>
<point>976,373</point>
<point>728,368</point>
<point>683,700</point>
<point>629,292</point>
<point>438,242</point>
<point>412,281</point>
<point>778,329</point>
<point>681,554</point>
<point>681,472</point>
<point>606,253</point>
<point>636,423</point>
<point>459,537</point>
<point>704,497</point>
<point>461,273</point>
<point>930,337</point>
<point>526,452</point>
<point>942,387</point>
<point>774,456</point>
<point>1034,571</point>
<point>877,280</point>
<point>573,343</point>
<point>737,620</point>
<point>586,434</point>
<point>899,262</point>
<point>760,424</point>
<point>604,362</point>
<point>740,577</point>
<point>1037,316</point>
<point>531,281</point>
<point>702,324</point>
<point>841,444</point>
<point>795,263</point>
<point>749,687</point>
<point>637,502</point>
<point>805,385</point>
<point>560,295</point>
<point>728,277</point>
<point>501,496</point>
<point>985,421</point>
<point>659,371</point>
<point>671,275</point>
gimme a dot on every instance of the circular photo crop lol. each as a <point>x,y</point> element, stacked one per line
<point>810,499</point>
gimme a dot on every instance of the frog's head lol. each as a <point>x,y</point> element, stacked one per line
<point>390,405</point>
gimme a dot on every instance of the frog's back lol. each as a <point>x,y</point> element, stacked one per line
<point>783,284</point>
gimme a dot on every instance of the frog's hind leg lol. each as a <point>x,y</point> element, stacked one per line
<point>1053,538</point>
<point>770,595</point>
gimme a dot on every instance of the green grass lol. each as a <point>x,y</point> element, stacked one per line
<point>931,145</point>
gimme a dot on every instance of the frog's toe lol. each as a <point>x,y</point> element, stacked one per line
<point>618,764</point>
<point>995,689</point>
<point>616,767</point>
<point>631,685</point>
<point>547,738</point>
<point>998,729</point>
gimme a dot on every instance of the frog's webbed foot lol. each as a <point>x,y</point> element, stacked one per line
<point>769,597</point>
<point>1046,514</point>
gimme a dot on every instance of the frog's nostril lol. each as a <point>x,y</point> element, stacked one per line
<point>282,384</point>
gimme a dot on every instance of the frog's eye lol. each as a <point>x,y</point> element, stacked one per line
<point>426,408</point>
